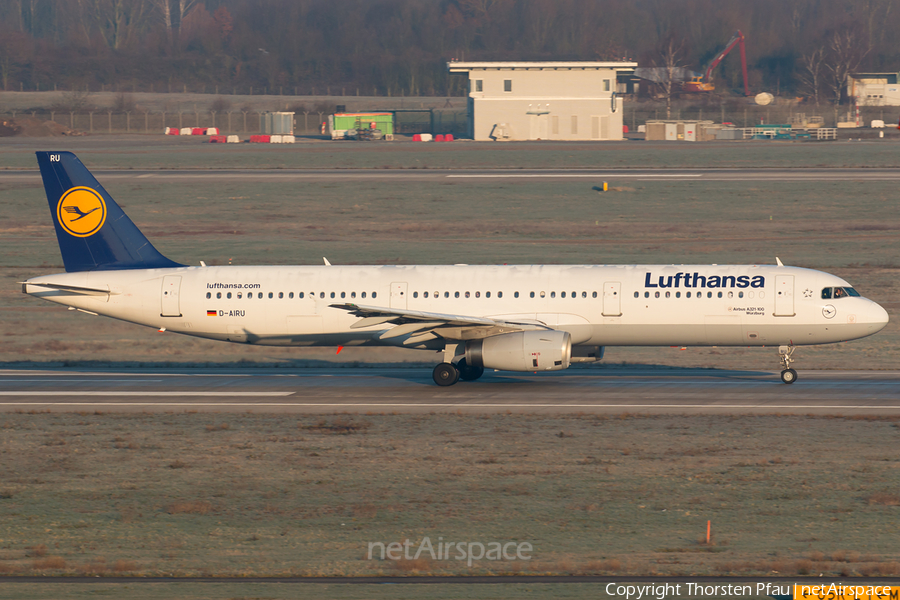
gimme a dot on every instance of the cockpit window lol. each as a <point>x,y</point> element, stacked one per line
<point>838,292</point>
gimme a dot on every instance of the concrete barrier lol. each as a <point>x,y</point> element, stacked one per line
<point>212,131</point>
<point>425,137</point>
<point>233,139</point>
<point>287,139</point>
<point>184,131</point>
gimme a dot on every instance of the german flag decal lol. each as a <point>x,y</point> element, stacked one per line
<point>211,313</point>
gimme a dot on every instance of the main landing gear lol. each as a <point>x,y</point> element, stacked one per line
<point>788,375</point>
<point>447,373</point>
<point>455,366</point>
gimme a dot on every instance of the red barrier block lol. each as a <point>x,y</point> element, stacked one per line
<point>254,139</point>
<point>197,131</point>
<point>265,139</point>
<point>418,138</point>
<point>439,137</point>
<point>448,137</point>
<point>217,139</point>
<point>624,128</point>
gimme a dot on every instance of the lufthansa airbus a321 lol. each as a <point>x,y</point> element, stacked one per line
<point>512,318</point>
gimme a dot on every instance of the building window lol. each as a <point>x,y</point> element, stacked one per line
<point>606,85</point>
<point>507,85</point>
<point>479,86</point>
<point>574,124</point>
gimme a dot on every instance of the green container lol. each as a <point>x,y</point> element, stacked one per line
<point>383,121</point>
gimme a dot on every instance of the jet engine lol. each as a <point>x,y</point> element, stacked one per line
<point>547,350</point>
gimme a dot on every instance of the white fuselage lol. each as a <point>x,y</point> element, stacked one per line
<point>633,305</point>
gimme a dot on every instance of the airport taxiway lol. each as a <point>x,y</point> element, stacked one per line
<point>694,175</point>
<point>600,390</point>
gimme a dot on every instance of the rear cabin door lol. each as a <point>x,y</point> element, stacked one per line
<point>784,296</point>
<point>398,294</point>
<point>612,299</point>
<point>171,287</point>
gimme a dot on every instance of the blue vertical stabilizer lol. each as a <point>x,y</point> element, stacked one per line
<point>93,232</point>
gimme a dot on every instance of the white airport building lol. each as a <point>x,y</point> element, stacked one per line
<point>874,89</point>
<point>544,100</point>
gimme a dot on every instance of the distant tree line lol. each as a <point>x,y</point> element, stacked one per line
<point>801,47</point>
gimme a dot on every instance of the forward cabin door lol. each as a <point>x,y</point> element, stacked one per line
<point>612,299</point>
<point>398,295</point>
<point>784,296</point>
<point>171,287</point>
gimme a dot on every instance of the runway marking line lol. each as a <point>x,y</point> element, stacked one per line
<point>571,175</point>
<point>105,393</point>
<point>445,405</point>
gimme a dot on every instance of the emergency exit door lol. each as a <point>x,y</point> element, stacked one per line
<point>171,288</point>
<point>612,299</point>
<point>398,294</point>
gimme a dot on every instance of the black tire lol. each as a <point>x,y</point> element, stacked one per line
<point>467,373</point>
<point>445,374</point>
<point>789,376</point>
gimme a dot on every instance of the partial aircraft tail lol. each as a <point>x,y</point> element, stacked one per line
<point>93,232</point>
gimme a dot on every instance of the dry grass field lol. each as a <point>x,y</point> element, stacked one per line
<point>242,495</point>
<point>255,494</point>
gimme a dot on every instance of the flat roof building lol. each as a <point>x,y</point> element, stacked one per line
<point>874,89</point>
<point>543,100</point>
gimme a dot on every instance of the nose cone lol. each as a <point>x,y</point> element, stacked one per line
<point>877,317</point>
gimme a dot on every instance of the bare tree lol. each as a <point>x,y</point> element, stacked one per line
<point>810,74</point>
<point>844,53</point>
<point>669,58</point>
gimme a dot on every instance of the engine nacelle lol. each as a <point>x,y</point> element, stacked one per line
<point>522,351</point>
<point>587,354</point>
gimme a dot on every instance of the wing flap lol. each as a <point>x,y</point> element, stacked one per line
<point>421,326</point>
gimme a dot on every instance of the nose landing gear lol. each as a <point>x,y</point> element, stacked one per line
<point>785,353</point>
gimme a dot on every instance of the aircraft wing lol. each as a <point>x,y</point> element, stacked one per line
<point>419,324</point>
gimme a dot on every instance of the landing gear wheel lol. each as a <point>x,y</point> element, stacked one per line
<point>445,374</point>
<point>786,354</point>
<point>467,373</point>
